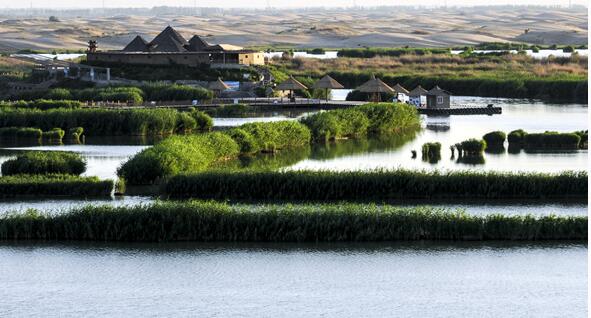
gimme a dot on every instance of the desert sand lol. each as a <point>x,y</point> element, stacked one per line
<point>387,27</point>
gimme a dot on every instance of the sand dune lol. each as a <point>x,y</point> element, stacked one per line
<point>389,27</point>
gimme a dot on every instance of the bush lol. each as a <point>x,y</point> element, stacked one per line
<point>272,136</point>
<point>387,118</point>
<point>375,185</point>
<point>211,221</point>
<point>75,133</point>
<point>245,140</point>
<point>55,134</point>
<point>177,154</point>
<point>431,152</point>
<point>494,139</point>
<point>58,93</point>
<point>175,92</point>
<point>552,139</point>
<point>473,147</point>
<point>11,133</point>
<point>584,135</point>
<point>43,104</point>
<point>185,123</point>
<point>204,122</point>
<point>133,95</point>
<point>337,124</point>
<point>100,122</point>
<point>517,137</point>
<point>46,162</point>
<point>53,185</point>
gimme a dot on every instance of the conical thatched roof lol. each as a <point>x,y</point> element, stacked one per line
<point>218,85</point>
<point>169,40</point>
<point>327,82</point>
<point>375,85</point>
<point>138,44</point>
<point>400,90</point>
<point>438,91</point>
<point>418,91</point>
<point>291,84</point>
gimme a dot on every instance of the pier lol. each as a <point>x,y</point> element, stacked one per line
<point>270,104</point>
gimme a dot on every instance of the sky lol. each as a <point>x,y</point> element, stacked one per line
<point>265,3</point>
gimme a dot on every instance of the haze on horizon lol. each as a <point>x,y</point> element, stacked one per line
<point>76,4</point>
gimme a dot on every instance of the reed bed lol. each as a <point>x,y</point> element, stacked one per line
<point>14,133</point>
<point>548,140</point>
<point>43,104</point>
<point>178,154</point>
<point>53,185</point>
<point>359,121</point>
<point>45,162</point>
<point>374,185</point>
<point>494,138</point>
<point>99,122</point>
<point>210,221</point>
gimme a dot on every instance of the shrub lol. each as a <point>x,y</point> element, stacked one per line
<point>204,122</point>
<point>584,135</point>
<point>55,134</point>
<point>10,133</point>
<point>375,185</point>
<point>97,122</point>
<point>343,222</point>
<point>175,92</point>
<point>53,185</point>
<point>58,93</point>
<point>272,136</point>
<point>245,140</point>
<point>75,133</point>
<point>335,124</point>
<point>495,138</point>
<point>391,118</point>
<point>47,162</point>
<point>517,137</point>
<point>431,152</point>
<point>552,139</point>
<point>473,147</point>
<point>185,123</point>
<point>177,154</point>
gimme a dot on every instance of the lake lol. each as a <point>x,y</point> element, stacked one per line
<point>533,116</point>
<point>305,280</point>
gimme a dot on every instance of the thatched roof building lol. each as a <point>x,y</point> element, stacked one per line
<point>375,85</point>
<point>418,91</point>
<point>291,84</point>
<point>327,82</point>
<point>400,90</point>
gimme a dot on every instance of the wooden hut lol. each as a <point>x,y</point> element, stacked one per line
<point>438,98</point>
<point>327,83</point>
<point>291,84</point>
<point>416,95</point>
<point>401,92</point>
<point>375,87</point>
<point>218,87</point>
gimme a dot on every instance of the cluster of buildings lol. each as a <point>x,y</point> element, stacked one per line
<point>171,48</point>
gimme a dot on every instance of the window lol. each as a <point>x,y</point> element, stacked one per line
<point>439,99</point>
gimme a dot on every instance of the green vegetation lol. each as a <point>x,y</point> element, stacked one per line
<point>431,152</point>
<point>516,137</point>
<point>194,154</point>
<point>548,140</point>
<point>494,139</point>
<point>104,122</point>
<point>75,133</point>
<point>209,221</point>
<point>45,162</point>
<point>552,140</point>
<point>471,147</point>
<point>271,136</point>
<point>178,154</point>
<point>61,97</point>
<point>53,185</point>
<point>19,133</point>
<point>43,104</point>
<point>337,124</point>
<point>55,135</point>
<point>375,185</point>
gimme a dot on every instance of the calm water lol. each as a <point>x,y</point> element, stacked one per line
<point>272,280</point>
<point>533,116</point>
